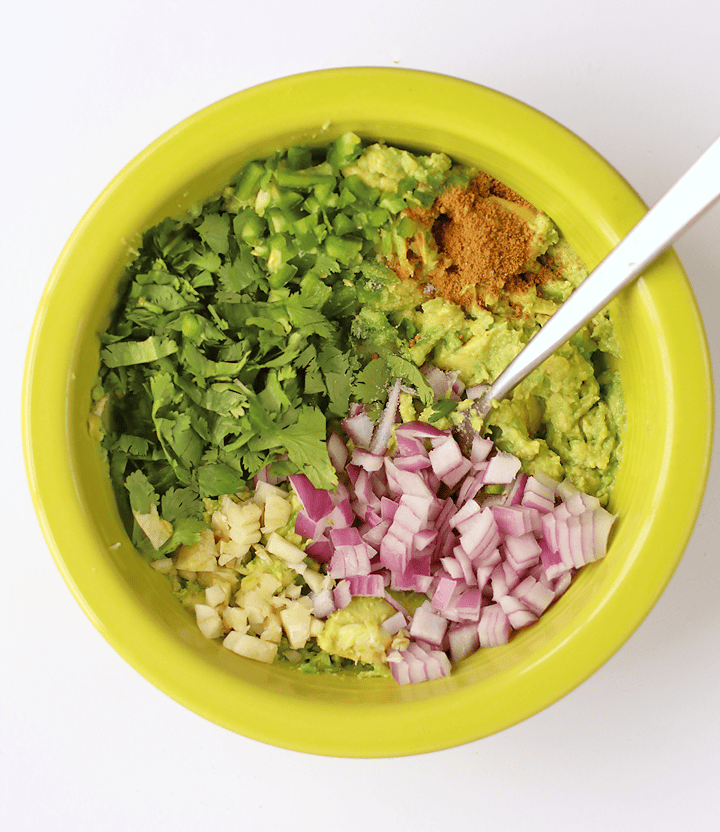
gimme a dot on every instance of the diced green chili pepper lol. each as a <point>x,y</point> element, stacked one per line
<point>282,275</point>
<point>393,202</point>
<point>407,227</point>
<point>248,225</point>
<point>342,249</point>
<point>342,224</point>
<point>303,179</point>
<point>299,157</point>
<point>324,193</point>
<point>362,191</point>
<point>344,149</point>
<point>493,488</point>
<point>249,181</point>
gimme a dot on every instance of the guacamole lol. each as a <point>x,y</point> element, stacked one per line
<point>251,330</point>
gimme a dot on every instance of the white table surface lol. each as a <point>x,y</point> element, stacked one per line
<point>85,740</point>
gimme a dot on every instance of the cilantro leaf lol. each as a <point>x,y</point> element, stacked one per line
<point>442,408</point>
<point>215,230</point>
<point>376,377</point>
<point>125,353</point>
<point>142,494</point>
<point>306,446</point>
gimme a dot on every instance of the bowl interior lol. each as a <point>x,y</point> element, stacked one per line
<point>658,492</point>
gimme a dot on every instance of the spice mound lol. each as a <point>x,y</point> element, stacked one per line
<point>488,238</point>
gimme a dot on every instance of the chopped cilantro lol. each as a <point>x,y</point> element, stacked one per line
<point>244,330</point>
<point>442,408</point>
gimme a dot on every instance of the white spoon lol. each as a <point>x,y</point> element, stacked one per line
<point>672,215</point>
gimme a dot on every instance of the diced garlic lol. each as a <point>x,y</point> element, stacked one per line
<point>220,524</point>
<point>315,580</point>
<point>240,514</point>
<point>200,556</point>
<point>293,591</point>
<point>272,631</point>
<point>262,554</point>
<point>228,551</point>
<point>283,549</point>
<point>401,641</point>
<point>156,530</point>
<point>250,646</point>
<point>263,489</point>
<point>162,565</point>
<point>216,595</point>
<point>256,607</point>
<point>296,623</point>
<point>245,536</point>
<point>277,513</point>
<point>235,618</point>
<point>208,621</point>
<point>305,601</point>
<point>268,584</point>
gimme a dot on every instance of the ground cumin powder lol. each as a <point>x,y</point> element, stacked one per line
<point>485,247</point>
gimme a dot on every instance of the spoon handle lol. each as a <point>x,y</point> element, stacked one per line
<point>691,195</point>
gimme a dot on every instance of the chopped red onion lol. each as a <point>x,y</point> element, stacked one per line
<point>395,623</point>
<point>416,462</point>
<point>468,605</point>
<point>463,640</point>
<point>522,552</point>
<point>489,564</point>
<point>337,451</point>
<point>323,603</point>
<point>446,591</point>
<point>316,502</point>
<point>408,445</point>
<point>502,468</point>
<point>427,625</point>
<point>536,597</point>
<point>383,431</point>
<point>494,627</point>
<point>476,391</point>
<point>367,585</point>
<point>320,550</point>
<point>440,381</point>
<point>446,457</point>
<point>342,595</point>
<point>420,430</point>
<point>480,449</point>
<point>360,429</point>
<point>517,488</point>
<point>366,459</point>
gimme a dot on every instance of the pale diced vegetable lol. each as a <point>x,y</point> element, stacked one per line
<point>156,530</point>
<point>208,620</point>
<point>286,551</point>
<point>200,557</point>
<point>251,647</point>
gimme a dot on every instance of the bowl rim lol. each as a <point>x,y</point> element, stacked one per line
<point>426,93</point>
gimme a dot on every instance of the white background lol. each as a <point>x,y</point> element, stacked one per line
<point>84,740</point>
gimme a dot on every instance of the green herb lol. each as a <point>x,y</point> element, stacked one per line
<point>442,408</point>
<point>243,333</point>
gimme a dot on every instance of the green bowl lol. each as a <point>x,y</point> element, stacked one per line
<point>665,370</point>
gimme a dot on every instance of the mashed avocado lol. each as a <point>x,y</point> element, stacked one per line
<point>497,270</point>
<point>355,632</point>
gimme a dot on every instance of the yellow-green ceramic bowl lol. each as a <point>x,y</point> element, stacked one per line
<point>665,371</point>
